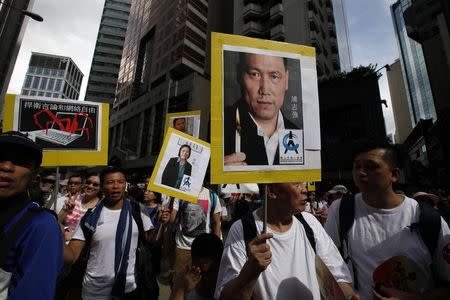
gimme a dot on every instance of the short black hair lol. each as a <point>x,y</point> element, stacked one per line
<point>110,170</point>
<point>185,146</point>
<point>207,245</point>
<point>393,155</point>
<point>76,175</point>
<point>157,197</point>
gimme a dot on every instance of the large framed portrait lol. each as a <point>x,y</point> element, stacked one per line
<point>265,124</point>
<point>187,122</point>
<point>181,166</point>
<point>71,132</point>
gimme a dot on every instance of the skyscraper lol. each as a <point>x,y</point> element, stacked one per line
<point>401,107</point>
<point>164,68</point>
<point>413,67</point>
<point>345,53</point>
<point>52,76</point>
<point>307,22</point>
<point>108,51</point>
<point>12,27</point>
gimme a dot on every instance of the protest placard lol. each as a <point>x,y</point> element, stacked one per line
<point>265,124</point>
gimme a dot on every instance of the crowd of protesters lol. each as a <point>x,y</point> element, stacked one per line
<point>104,238</point>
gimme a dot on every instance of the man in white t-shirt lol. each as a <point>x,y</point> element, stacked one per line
<point>194,219</point>
<point>382,228</point>
<point>281,262</point>
<point>111,267</point>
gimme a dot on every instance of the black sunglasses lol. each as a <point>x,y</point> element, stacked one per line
<point>88,182</point>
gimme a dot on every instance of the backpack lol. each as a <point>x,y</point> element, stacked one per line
<point>148,255</point>
<point>429,226</point>
<point>197,223</point>
<point>7,240</point>
<point>249,227</point>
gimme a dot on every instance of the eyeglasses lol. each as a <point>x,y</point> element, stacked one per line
<point>118,181</point>
<point>95,184</point>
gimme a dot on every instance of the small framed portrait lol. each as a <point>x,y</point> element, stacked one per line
<point>71,133</point>
<point>181,166</point>
<point>187,122</point>
<point>265,111</point>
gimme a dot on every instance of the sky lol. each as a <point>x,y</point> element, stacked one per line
<point>70,29</point>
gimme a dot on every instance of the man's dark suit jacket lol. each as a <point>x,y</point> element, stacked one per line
<point>251,143</point>
<point>170,173</point>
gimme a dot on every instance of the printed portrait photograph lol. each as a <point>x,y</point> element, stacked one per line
<point>187,122</point>
<point>262,110</point>
<point>182,165</point>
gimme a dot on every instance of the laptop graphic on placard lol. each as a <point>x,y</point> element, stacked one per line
<point>56,135</point>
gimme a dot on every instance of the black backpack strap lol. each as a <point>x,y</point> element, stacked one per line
<point>429,226</point>
<point>86,231</point>
<point>346,219</point>
<point>249,228</point>
<point>136,213</point>
<point>9,237</point>
<point>308,230</point>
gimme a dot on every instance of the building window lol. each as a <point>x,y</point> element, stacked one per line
<point>145,132</point>
<point>55,95</point>
<point>28,80</point>
<point>58,85</point>
<point>32,93</point>
<point>48,94</point>
<point>36,82</point>
<point>51,84</point>
<point>32,70</point>
<point>40,94</point>
<point>25,92</point>
<point>43,83</point>
<point>157,130</point>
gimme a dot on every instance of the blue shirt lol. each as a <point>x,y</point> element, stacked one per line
<point>35,258</point>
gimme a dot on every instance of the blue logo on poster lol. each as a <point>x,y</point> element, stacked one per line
<point>187,182</point>
<point>289,144</point>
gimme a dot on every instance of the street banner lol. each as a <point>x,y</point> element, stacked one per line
<point>181,166</point>
<point>187,122</point>
<point>71,132</point>
<point>265,124</point>
<point>241,188</point>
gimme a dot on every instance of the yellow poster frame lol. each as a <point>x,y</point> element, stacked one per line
<point>218,175</point>
<point>180,114</point>
<point>54,158</point>
<point>163,190</point>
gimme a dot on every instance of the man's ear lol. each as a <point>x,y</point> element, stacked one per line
<point>270,192</point>
<point>395,174</point>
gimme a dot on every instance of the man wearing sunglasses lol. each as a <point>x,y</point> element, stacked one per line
<point>30,239</point>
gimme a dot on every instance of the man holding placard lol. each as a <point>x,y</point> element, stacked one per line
<point>279,264</point>
<point>256,122</point>
<point>377,225</point>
